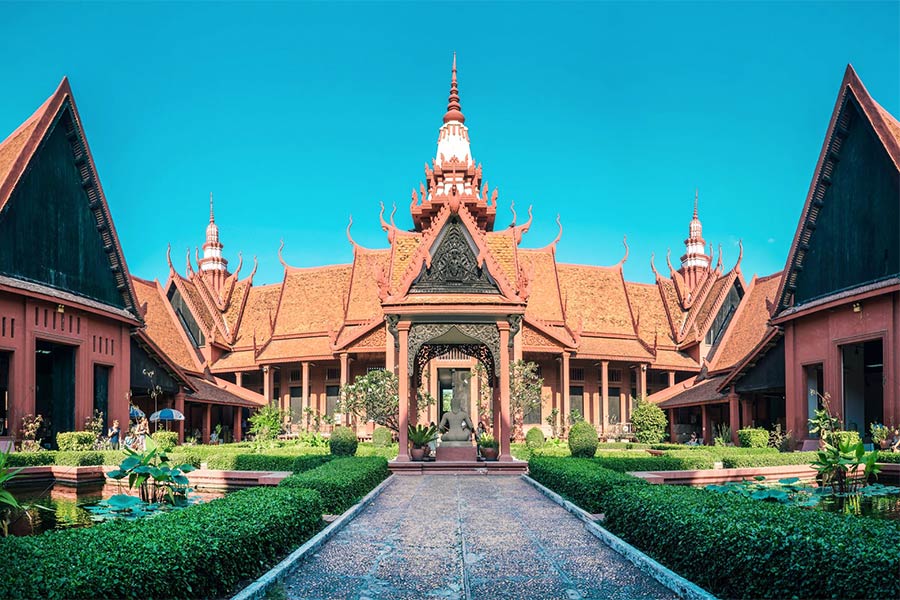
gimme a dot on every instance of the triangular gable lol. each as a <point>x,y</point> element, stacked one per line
<point>853,101</point>
<point>51,203</point>
<point>453,265</point>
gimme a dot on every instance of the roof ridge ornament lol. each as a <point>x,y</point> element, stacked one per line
<point>280,256</point>
<point>454,109</point>
<point>624,258</point>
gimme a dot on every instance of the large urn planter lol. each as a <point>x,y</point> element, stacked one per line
<point>417,454</point>
<point>489,453</point>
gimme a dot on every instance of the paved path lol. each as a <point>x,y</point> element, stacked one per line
<point>467,537</point>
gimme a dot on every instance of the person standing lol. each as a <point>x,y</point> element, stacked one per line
<point>113,435</point>
<point>143,430</point>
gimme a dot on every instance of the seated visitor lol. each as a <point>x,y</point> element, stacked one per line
<point>694,441</point>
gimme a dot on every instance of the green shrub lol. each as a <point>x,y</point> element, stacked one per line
<point>31,459</point>
<point>382,437</point>
<point>342,482</point>
<point>737,547</point>
<point>184,455</point>
<point>534,439</point>
<point>369,449</point>
<point>753,437</point>
<point>649,422</point>
<point>883,457</point>
<point>667,446</point>
<point>849,436</point>
<point>251,462</point>
<point>79,459</point>
<point>549,449</point>
<point>166,440</point>
<point>583,440</point>
<point>343,442</point>
<point>738,461</point>
<point>75,440</point>
<point>636,446</point>
<point>625,463</point>
<point>581,480</point>
<point>200,552</point>
<point>309,462</point>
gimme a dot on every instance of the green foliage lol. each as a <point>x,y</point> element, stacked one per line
<point>75,440</point>
<point>421,435</point>
<point>666,446</point>
<point>375,397</point>
<point>629,462</point>
<point>369,449</point>
<point>580,480</point>
<point>534,439</point>
<point>8,502</point>
<point>849,437</point>
<point>753,437</point>
<point>342,482</point>
<point>525,388</point>
<point>781,440</point>
<point>741,548</point>
<point>343,442</point>
<point>583,440</point>
<point>739,461</point>
<point>382,437</point>
<point>31,425</point>
<point>883,456</point>
<point>200,552</point>
<point>486,440</point>
<point>879,432</point>
<point>157,481</point>
<point>81,459</point>
<point>266,423</point>
<point>32,459</point>
<point>309,462</point>
<point>552,421</point>
<point>649,422</point>
<point>251,462</point>
<point>723,435</point>
<point>166,440</point>
<point>838,464</point>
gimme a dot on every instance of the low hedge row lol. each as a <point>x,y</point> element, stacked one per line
<point>309,462</point>
<point>636,462</point>
<point>201,551</point>
<point>68,458</point>
<point>342,482</point>
<point>736,547</point>
<point>579,479</point>
<point>737,461</point>
<point>888,457</point>
<point>251,462</point>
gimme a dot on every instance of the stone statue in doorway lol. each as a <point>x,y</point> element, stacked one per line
<point>456,424</point>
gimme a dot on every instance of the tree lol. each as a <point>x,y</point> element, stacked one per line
<point>375,397</point>
<point>649,422</point>
<point>266,423</point>
<point>525,387</point>
<point>485,400</point>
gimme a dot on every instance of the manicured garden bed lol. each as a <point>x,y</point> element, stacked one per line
<point>342,482</point>
<point>733,546</point>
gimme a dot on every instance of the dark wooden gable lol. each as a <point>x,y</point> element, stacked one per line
<point>854,237</point>
<point>454,265</point>
<point>54,230</point>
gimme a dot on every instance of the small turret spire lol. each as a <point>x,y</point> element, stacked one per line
<point>453,107</point>
<point>696,200</point>
<point>212,218</point>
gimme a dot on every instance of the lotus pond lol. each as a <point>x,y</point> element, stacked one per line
<point>62,507</point>
<point>873,500</point>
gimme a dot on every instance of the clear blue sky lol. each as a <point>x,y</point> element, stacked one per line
<point>297,115</point>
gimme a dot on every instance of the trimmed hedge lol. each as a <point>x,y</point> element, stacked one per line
<point>534,439</point>
<point>80,459</point>
<point>75,440</point>
<point>738,461</point>
<point>199,552</point>
<point>753,437</point>
<point>31,459</point>
<point>251,462</point>
<point>309,462</point>
<point>382,437</point>
<point>166,440</point>
<point>667,446</point>
<point>369,449</point>
<point>580,480</point>
<point>342,482</point>
<point>888,457</point>
<point>624,463</point>
<point>343,442</point>
<point>583,440</point>
<point>736,547</point>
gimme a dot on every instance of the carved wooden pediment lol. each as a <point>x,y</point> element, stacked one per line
<point>454,266</point>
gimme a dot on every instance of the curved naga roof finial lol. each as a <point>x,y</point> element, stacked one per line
<point>740,255</point>
<point>653,266</point>
<point>624,258</point>
<point>169,258</point>
<point>719,262</point>
<point>350,237</point>
<point>253,272</point>
<point>512,208</point>
<point>190,268</point>
<point>240,264</point>
<point>393,212</point>
<point>520,230</point>
<point>280,256</point>
<point>669,260</point>
<point>558,235</point>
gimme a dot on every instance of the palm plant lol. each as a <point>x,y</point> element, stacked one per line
<point>421,435</point>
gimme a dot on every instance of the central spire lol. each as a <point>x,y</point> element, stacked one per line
<point>453,107</point>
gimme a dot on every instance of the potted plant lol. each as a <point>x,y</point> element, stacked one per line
<point>488,446</point>
<point>420,436</point>
<point>881,435</point>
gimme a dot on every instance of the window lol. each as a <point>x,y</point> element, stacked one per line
<point>186,318</point>
<point>370,369</point>
<point>532,417</point>
<point>576,373</point>
<point>295,375</point>
<point>332,397</point>
<point>332,374</point>
<point>815,385</point>
<point>101,392</point>
<point>613,407</point>
<point>615,375</point>
<point>576,399</point>
<point>723,317</point>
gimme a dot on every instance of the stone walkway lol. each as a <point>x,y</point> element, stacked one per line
<point>467,537</point>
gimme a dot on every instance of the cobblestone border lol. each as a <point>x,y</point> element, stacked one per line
<point>258,588</point>
<point>664,575</point>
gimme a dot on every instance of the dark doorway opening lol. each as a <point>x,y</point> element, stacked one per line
<point>54,389</point>
<point>4,393</point>
<point>863,371</point>
<point>101,392</point>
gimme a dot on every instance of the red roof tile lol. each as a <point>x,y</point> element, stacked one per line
<point>595,298</point>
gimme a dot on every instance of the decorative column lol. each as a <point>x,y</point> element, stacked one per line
<point>207,422</point>
<point>604,391</point>
<point>236,425</point>
<point>179,406</point>
<point>239,378</point>
<point>566,401</point>
<point>671,378</point>
<point>403,388</point>
<point>704,424</point>
<point>672,437</point>
<point>267,383</point>
<point>304,383</point>
<point>642,381</point>
<point>505,429</point>
<point>623,407</point>
<point>734,418</point>
<point>345,373</point>
<point>746,413</point>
